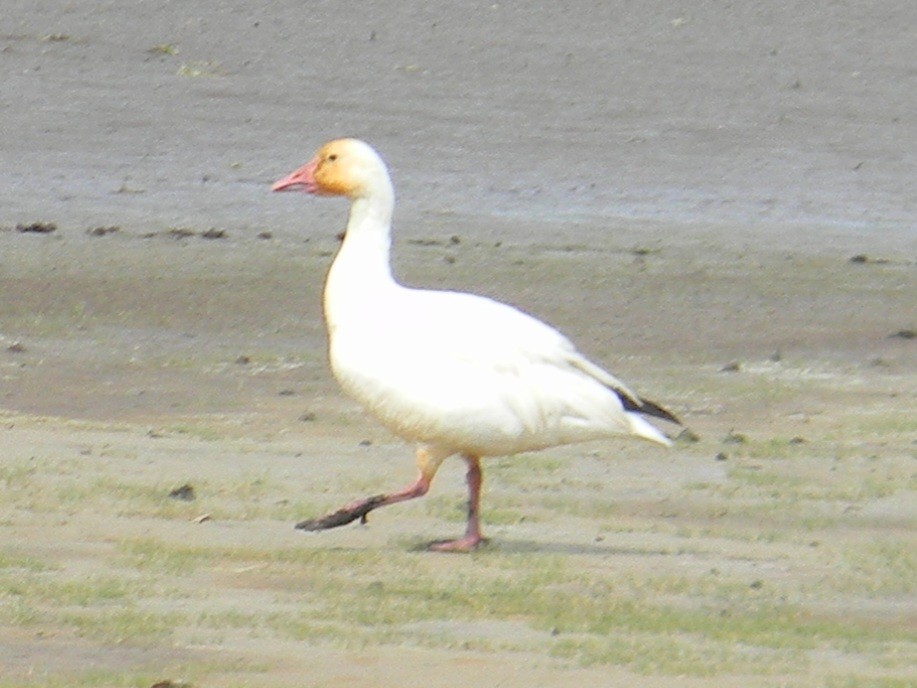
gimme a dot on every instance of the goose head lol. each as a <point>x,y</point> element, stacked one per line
<point>343,167</point>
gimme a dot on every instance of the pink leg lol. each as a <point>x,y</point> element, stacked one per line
<point>427,461</point>
<point>361,508</point>
<point>472,537</point>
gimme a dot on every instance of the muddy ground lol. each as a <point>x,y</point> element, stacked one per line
<point>715,204</point>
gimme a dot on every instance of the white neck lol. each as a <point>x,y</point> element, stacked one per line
<point>361,271</point>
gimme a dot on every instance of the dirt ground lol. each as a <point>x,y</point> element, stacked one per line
<point>716,204</point>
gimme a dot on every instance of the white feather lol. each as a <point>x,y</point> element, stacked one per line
<point>457,371</point>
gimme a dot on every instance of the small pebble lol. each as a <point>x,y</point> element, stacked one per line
<point>185,493</point>
<point>37,228</point>
<point>102,231</point>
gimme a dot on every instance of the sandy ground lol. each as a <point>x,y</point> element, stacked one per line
<point>679,190</point>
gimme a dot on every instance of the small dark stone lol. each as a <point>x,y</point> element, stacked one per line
<point>732,367</point>
<point>903,334</point>
<point>287,392</point>
<point>37,228</point>
<point>721,456</point>
<point>102,231</point>
<point>243,360</point>
<point>180,232</point>
<point>214,233</point>
<point>756,584</point>
<point>184,492</point>
<point>265,235</point>
<point>307,417</point>
<point>797,440</point>
<point>643,252</point>
<point>365,443</point>
<point>16,348</point>
<point>859,259</point>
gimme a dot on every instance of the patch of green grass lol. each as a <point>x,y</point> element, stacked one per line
<point>675,655</point>
<point>68,486</point>
<point>765,479</point>
<point>654,625</point>
<point>199,432</point>
<point>77,677</point>
<point>18,612</point>
<point>9,560</point>
<point>867,489</point>
<point>92,591</point>
<point>148,554</point>
<point>120,497</point>
<point>881,423</point>
<point>507,511</point>
<point>304,627</point>
<point>595,508</point>
<point>123,624</point>
<point>200,68</point>
<point>157,556</point>
<point>163,49</point>
<point>554,598</point>
<point>775,448</point>
<point>524,469</point>
<point>16,477</point>
<point>859,681</point>
<point>88,679</point>
<point>884,567</point>
<point>44,600</point>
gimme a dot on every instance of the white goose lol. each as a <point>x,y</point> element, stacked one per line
<point>454,373</point>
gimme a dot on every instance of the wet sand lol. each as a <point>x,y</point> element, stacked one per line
<point>715,204</point>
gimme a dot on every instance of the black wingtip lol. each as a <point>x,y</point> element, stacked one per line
<point>649,408</point>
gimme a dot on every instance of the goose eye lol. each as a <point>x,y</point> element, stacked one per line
<point>333,157</point>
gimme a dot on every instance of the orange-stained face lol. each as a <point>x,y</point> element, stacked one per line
<point>332,172</point>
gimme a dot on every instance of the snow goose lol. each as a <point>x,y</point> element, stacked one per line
<point>454,373</point>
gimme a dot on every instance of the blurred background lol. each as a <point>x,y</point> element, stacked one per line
<point>779,118</point>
